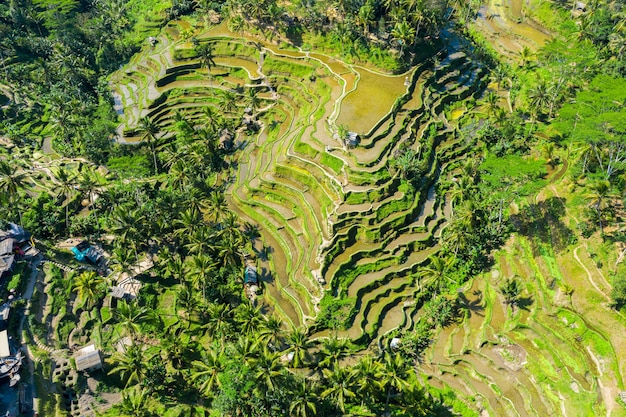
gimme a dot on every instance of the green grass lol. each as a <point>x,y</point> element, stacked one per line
<point>332,162</point>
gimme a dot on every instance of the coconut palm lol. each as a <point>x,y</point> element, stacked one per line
<point>205,373</point>
<point>435,273</point>
<point>246,350</point>
<point>134,403</point>
<point>597,194</point>
<point>65,188</point>
<point>149,131</point>
<point>511,289</point>
<point>90,287</point>
<point>299,345</point>
<point>187,301</point>
<point>252,99</point>
<point>12,181</point>
<point>126,225</point>
<point>206,55</point>
<point>404,34</point>
<point>249,318</point>
<point>303,402</point>
<point>526,55</point>
<point>394,374</point>
<point>268,370</point>
<point>539,97</point>
<point>228,102</point>
<point>202,270</point>
<point>333,350</point>
<point>132,317</point>
<point>130,364</point>
<point>271,332</point>
<point>493,101</point>
<point>216,207</point>
<point>367,382</point>
<point>341,385</point>
<point>219,322</point>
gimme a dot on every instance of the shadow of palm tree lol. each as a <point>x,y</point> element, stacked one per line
<point>524,303</point>
<point>474,306</point>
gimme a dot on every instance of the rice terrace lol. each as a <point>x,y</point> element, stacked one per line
<point>284,208</point>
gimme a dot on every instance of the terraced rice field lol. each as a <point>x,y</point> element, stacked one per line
<point>323,209</point>
<point>340,221</point>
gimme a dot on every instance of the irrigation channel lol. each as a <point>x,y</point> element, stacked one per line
<point>336,219</point>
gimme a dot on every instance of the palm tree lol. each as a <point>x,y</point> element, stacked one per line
<point>539,97</point>
<point>219,323</point>
<point>333,350</point>
<point>206,372</point>
<point>526,55</point>
<point>253,100</point>
<point>201,270</point>
<point>227,249</point>
<point>341,386</point>
<point>132,317</point>
<point>271,332</point>
<point>66,183</point>
<point>237,24</point>
<point>206,55</point>
<point>597,195</point>
<point>134,403</point>
<point>367,371</point>
<point>268,369</point>
<point>394,374</point>
<point>126,225</point>
<point>511,289</point>
<point>149,131</point>
<point>216,207</point>
<point>12,182</point>
<point>436,273</point>
<point>130,365</point>
<point>404,34</point>
<point>123,259</point>
<point>90,287</point>
<point>249,318</point>
<point>228,102</point>
<point>303,402</point>
<point>493,101</point>
<point>299,345</point>
<point>187,301</point>
<point>246,350</point>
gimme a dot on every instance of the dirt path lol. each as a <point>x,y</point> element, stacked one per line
<point>608,394</point>
<point>589,275</point>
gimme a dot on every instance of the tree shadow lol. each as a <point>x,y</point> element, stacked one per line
<point>264,253</point>
<point>474,306</point>
<point>265,276</point>
<point>524,303</point>
<point>541,222</point>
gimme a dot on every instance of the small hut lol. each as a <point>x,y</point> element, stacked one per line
<point>250,276</point>
<point>226,140</point>
<point>86,252</point>
<point>88,359</point>
<point>352,140</point>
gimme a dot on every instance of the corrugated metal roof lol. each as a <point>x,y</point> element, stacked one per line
<point>4,344</point>
<point>6,246</point>
<point>88,359</point>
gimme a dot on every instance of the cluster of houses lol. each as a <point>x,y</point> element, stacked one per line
<point>15,244</point>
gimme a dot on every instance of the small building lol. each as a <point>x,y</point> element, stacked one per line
<point>5,310</point>
<point>85,252</point>
<point>352,140</point>
<point>226,140</point>
<point>88,359</point>
<point>5,349</point>
<point>126,289</point>
<point>250,275</point>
